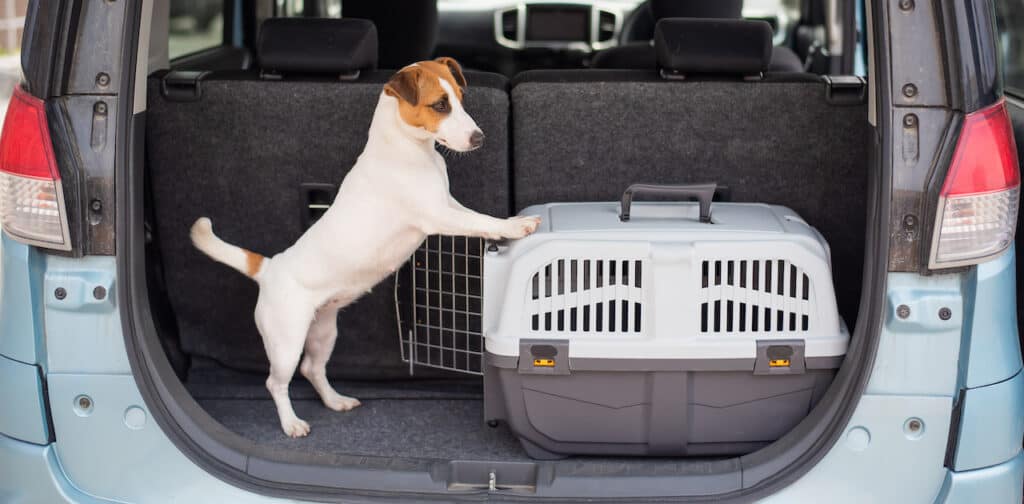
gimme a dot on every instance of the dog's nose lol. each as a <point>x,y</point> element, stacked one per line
<point>476,139</point>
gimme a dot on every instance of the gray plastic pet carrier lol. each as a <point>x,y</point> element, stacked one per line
<point>658,328</point>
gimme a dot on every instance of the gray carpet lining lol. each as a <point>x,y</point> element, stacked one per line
<point>430,419</point>
<point>408,428</point>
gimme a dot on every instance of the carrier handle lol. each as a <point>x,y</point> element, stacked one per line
<point>703,192</point>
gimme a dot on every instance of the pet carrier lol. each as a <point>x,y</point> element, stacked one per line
<point>668,330</point>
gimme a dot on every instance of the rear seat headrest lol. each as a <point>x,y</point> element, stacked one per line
<point>713,46</point>
<point>317,46</point>
<point>662,9</point>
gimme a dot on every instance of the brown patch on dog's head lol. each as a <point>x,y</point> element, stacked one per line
<point>458,80</point>
<point>422,101</point>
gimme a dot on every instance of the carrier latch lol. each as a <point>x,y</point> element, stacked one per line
<point>780,357</point>
<point>544,356</point>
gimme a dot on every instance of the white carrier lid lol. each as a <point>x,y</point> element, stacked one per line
<point>679,288</point>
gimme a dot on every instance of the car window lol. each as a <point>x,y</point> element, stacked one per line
<point>195,25</point>
<point>1010,26</point>
<point>307,8</point>
<point>297,8</point>
<point>783,15</point>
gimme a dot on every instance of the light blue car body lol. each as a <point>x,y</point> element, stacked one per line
<point>57,447</point>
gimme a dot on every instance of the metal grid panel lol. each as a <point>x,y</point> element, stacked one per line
<point>445,330</point>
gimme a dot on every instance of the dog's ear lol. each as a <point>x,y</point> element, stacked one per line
<point>455,69</point>
<point>404,85</point>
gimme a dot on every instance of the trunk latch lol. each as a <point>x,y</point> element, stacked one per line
<point>492,476</point>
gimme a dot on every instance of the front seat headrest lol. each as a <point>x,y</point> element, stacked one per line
<point>697,9</point>
<point>713,46</point>
<point>317,46</point>
<point>407,29</point>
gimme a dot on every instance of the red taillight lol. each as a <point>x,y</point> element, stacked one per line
<point>25,147</point>
<point>31,196</point>
<point>977,212</point>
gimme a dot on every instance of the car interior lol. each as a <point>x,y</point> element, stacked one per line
<point>578,100</point>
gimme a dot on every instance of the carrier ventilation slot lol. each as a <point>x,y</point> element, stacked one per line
<point>447,287</point>
<point>587,295</point>
<point>754,296</point>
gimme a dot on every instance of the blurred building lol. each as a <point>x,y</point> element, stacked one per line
<point>12,19</point>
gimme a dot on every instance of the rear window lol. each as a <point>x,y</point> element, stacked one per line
<point>308,8</point>
<point>783,15</point>
<point>195,25</point>
<point>1010,26</point>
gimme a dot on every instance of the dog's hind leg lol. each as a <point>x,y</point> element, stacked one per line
<point>284,330</point>
<point>319,345</point>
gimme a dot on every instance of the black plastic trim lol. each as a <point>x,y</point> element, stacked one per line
<point>39,46</point>
<point>953,438</point>
<point>51,435</point>
<point>71,173</point>
<point>971,45</point>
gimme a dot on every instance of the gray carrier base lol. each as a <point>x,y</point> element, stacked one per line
<point>645,407</point>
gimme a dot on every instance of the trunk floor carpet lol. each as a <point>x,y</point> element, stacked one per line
<point>429,419</point>
<point>435,419</point>
<point>432,428</point>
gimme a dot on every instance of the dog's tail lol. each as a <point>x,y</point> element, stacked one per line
<point>247,262</point>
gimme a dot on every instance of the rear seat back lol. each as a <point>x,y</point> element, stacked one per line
<point>244,150</point>
<point>790,139</point>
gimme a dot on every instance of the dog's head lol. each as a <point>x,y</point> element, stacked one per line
<point>429,95</point>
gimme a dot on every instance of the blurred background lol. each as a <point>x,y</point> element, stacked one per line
<point>12,18</point>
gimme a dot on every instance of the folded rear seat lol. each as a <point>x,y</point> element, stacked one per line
<point>710,114</point>
<point>252,150</point>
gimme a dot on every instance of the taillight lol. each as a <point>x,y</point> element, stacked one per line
<point>977,212</point>
<point>31,196</point>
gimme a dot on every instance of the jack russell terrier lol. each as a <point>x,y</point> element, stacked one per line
<point>394,196</point>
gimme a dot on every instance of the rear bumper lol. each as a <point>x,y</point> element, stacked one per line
<point>999,483</point>
<point>32,474</point>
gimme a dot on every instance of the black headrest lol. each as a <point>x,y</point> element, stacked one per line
<point>697,8</point>
<point>317,45</point>
<point>407,29</point>
<point>713,46</point>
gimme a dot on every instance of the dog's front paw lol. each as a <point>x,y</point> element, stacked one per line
<point>339,402</point>
<point>519,227</point>
<point>295,428</point>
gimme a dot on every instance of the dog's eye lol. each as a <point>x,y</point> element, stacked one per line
<point>441,106</point>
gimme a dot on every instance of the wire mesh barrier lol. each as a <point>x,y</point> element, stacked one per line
<point>439,301</point>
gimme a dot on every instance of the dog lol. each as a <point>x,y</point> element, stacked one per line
<point>395,195</point>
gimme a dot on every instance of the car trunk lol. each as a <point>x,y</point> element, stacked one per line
<point>260,157</point>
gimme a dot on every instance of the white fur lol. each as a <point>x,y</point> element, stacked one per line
<point>394,196</point>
